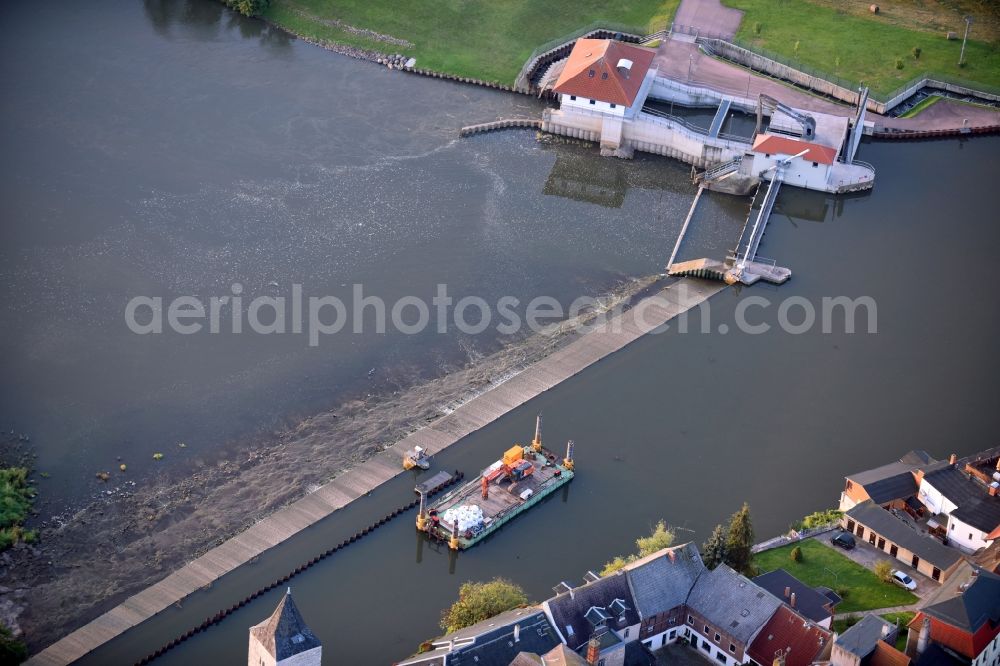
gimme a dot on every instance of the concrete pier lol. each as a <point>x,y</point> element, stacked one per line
<point>616,333</point>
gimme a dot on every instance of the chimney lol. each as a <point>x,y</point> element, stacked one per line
<point>788,591</point>
<point>624,67</point>
<point>885,630</point>
<point>792,602</point>
<point>952,459</point>
<point>925,634</point>
<point>593,649</point>
<point>517,633</point>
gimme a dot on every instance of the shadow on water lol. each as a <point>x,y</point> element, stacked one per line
<point>204,21</point>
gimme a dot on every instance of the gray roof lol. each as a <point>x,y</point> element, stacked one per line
<point>570,608</point>
<point>860,639</point>
<point>663,580</point>
<point>885,524</point>
<point>491,642</point>
<point>285,633</point>
<point>888,482</point>
<point>916,457</point>
<point>977,605</point>
<point>809,601</point>
<point>732,602</point>
<point>975,506</point>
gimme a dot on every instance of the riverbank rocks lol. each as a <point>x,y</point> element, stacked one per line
<point>396,61</point>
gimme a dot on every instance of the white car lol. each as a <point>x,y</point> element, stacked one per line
<point>901,579</point>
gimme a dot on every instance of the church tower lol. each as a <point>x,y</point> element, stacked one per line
<point>284,639</point>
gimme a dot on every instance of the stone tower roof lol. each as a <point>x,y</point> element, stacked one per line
<point>285,633</point>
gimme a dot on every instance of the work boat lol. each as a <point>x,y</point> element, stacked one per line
<point>511,485</point>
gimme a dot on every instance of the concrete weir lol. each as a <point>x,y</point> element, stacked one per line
<point>647,315</point>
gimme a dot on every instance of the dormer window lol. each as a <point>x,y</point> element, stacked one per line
<point>591,74</point>
<point>604,75</point>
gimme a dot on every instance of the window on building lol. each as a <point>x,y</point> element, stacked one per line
<point>706,646</point>
<point>861,531</point>
<point>593,101</point>
<point>673,634</point>
<point>707,630</point>
<point>591,73</point>
<point>815,164</point>
<point>936,573</point>
<point>626,631</point>
<point>717,637</point>
<point>732,648</point>
<point>970,536</point>
<point>893,550</point>
<point>952,526</point>
<point>690,620</point>
<point>604,75</point>
<point>915,562</point>
<point>881,543</point>
<point>614,106</point>
<point>721,656</point>
<point>573,97</point>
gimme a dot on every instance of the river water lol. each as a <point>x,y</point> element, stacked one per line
<point>173,148</point>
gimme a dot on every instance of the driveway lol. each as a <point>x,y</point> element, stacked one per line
<point>867,555</point>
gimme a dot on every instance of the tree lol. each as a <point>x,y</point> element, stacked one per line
<point>739,540</point>
<point>661,537</point>
<point>12,651</point>
<point>479,601</point>
<point>916,52</point>
<point>248,7</point>
<point>796,554</point>
<point>713,551</point>
<point>883,571</point>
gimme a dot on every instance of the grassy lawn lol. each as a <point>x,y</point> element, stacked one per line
<point>863,47</point>
<point>16,498</point>
<point>485,40</point>
<point>824,566</point>
<point>900,619</point>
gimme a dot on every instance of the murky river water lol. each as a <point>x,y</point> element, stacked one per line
<point>173,149</point>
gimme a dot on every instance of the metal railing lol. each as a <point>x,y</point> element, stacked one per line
<point>921,80</point>
<point>699,133</point>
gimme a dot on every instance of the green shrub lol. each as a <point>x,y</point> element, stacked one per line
<point>796,554</point>
<point>916,52</point>
<point>899,63</point>
<point>883,570</point>
<point>16,497</point>
<point>757,28</point>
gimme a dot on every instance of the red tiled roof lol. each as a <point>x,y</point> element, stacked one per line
<point>592,71</point>
<point>887,655</point>
<point>788,631</point>
<point>773,144</point>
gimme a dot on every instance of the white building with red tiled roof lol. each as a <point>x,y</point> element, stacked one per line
<point>606,76</point>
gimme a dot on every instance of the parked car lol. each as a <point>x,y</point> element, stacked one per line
<point>901,579</point>
<point>843,539</point>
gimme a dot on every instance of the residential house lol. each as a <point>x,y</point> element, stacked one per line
<point>724,613</point>
<point>868,643</point>
<point>601,608</point>
<point>897,535</point>
<point>283,639</point>
<point>660,585</point>
<point>791,638</point>
<point>967,623</point>
<point>493,642</point>
<point>815,604</point>
<point>888,485</point>
<point>967,493</point>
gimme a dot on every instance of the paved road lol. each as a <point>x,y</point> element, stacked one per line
<point>684,61</point>
<point>709,17</point>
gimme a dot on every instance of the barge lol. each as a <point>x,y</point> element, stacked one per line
<point>519,480</point>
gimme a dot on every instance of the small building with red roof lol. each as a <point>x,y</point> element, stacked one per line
<point>806,163</point>
<point>606,76</point>
<point>794,638</point>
